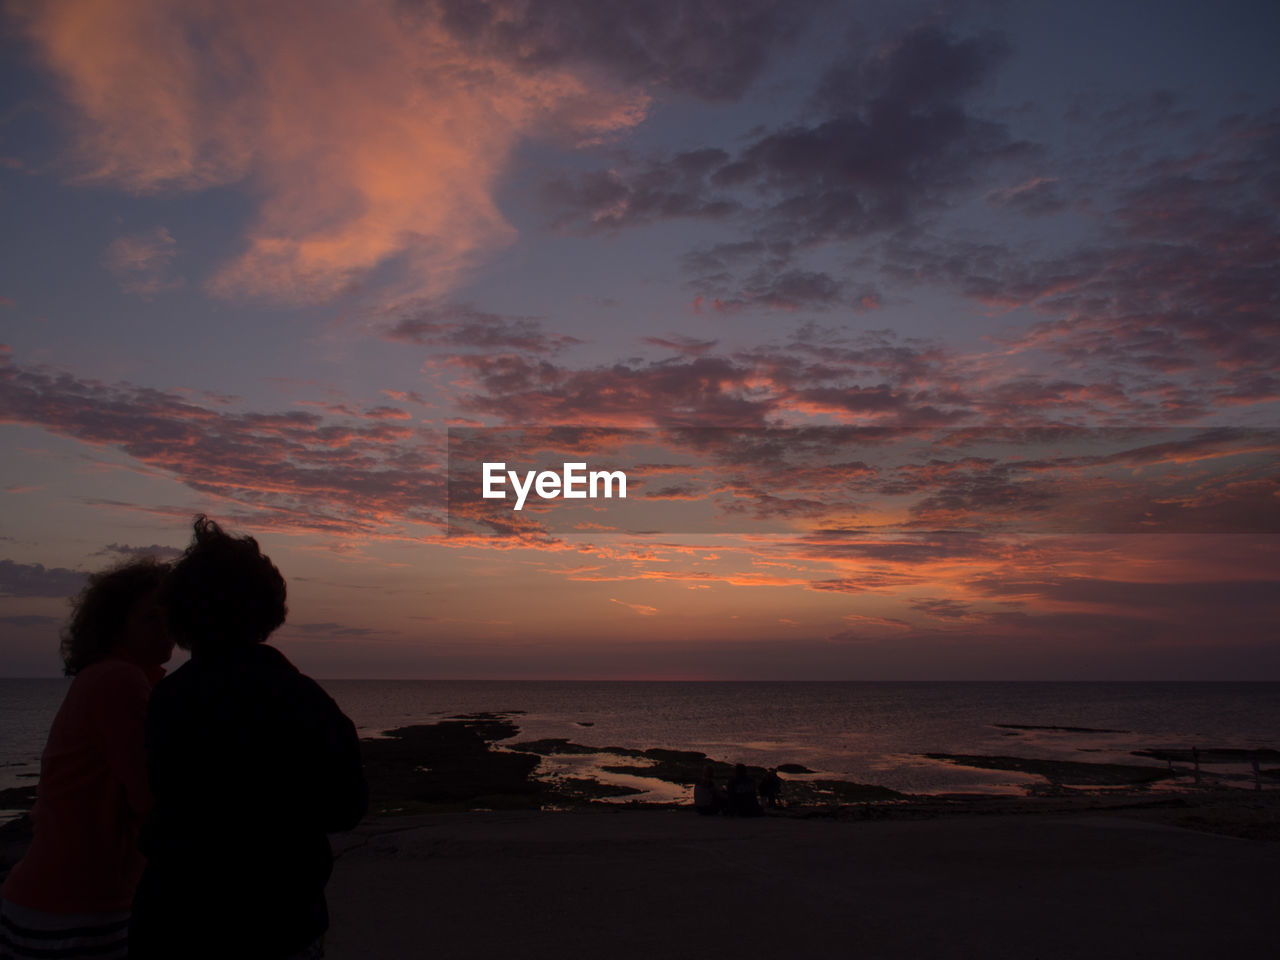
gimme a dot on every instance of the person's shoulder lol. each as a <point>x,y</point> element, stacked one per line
<point>297,680</point>
<point>111,673</point>
<point>273,657</point>
<point>176,677</point>
<point>108,669</point>
<point>109,682</point>
<point>176,684</point>
<point>272,661</point>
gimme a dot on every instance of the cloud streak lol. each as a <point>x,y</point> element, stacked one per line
<point>343,475</point>
<point>36,580</point>
<point>894,142</point>
<point>462,327</point>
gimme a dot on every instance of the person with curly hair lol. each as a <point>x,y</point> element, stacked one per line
<point>70,895</point>
<point>251,764</point>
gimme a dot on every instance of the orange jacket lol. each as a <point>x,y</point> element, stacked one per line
<point>91,798</point>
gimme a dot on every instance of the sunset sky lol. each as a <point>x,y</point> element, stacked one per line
<point>259,258</point>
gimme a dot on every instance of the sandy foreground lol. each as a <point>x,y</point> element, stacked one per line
<point>634,883</point>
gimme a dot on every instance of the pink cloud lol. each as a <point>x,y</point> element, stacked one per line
<point>140,262</point>
<point>368,136</point>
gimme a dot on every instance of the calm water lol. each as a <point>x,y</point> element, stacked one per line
<point>868,732</point>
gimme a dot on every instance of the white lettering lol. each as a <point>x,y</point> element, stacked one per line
<point>609,477</point>
<point>548,485</point>
<point>573,474</point>
<point>521,492</point>
<point>493,475</point>
<point>573,483</point>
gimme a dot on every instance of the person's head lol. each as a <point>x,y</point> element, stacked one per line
<point>222,592</point>
<point>708,773</point>
<point>739,769</point>
<point>118,612</point>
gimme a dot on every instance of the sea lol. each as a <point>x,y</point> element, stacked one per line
<point>867,732</point>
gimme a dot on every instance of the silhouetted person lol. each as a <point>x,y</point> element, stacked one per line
<point>742,794</point>
<point>70,895</point>
<point>251,765</point>
<point>707,797</point>
<point>771,788</point>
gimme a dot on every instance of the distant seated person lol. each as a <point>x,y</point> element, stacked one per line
<point>771,788</point>
<point>742,794</point>
<point>707,797</point>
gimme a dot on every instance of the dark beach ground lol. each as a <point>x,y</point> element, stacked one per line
<point>463,855</point>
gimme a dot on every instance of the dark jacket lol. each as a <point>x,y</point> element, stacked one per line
<point>251,764</point>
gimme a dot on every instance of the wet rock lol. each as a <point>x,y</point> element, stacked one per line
<point>450,764</point>
<point>552,746</point>
<point>585,790</point>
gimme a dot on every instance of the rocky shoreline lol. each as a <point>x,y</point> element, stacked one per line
<point>473,762</point>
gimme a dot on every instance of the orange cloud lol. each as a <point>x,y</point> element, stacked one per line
<point>369,135</point>
<point>643,609</point>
